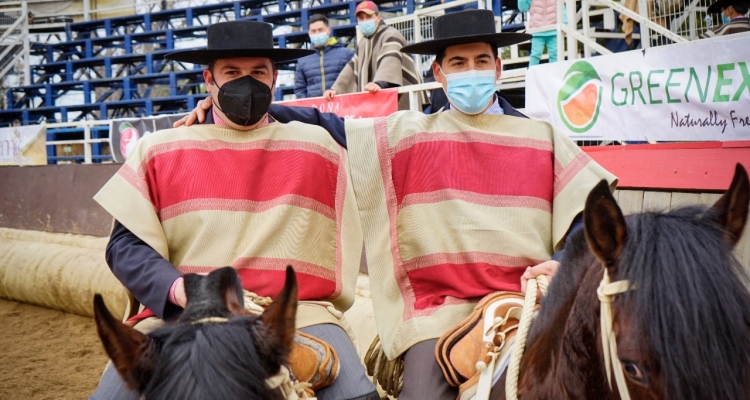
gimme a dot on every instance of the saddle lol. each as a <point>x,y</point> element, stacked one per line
<point>469,351</point>
<point>313,361</point>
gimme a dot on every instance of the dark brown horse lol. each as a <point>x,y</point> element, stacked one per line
<point>199,356</point>
<point>683,333</point>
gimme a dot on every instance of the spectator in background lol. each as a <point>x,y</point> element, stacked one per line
<point>316,73</point>
<point>541,24</point>
<point>733,17</point>
<point>378,62</point>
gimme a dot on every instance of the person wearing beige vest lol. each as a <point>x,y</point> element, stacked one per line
<point>244,191</point>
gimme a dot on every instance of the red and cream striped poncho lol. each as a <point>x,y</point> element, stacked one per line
<point>454,207</point>
<point>206,196</point>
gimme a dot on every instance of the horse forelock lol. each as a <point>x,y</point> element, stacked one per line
<point>203,361</point>
<point>691,301</point>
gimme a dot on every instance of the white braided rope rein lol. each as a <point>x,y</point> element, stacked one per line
<point>606,293</point>
<point>511,380</point>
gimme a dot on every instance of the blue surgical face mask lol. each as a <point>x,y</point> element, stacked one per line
<point>725,20</point>
<point>319,40</point>
<point>470,92</point>
<point>367,27</point>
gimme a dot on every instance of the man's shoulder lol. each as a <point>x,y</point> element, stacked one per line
<point>307,132</point>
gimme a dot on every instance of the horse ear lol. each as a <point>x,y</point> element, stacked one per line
<point>124,345</point>
<point>232,290</point>
<point>731,209</point>
<point>604,225</point>
<point>280,317</point>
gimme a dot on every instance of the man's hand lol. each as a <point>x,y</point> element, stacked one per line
<point>179,293</point>
<point>329,94</point>
<point>372,87</point>
<point>548,268</point>
<point>198,114</point>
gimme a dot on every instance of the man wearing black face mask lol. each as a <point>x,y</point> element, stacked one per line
<point>240,190</point>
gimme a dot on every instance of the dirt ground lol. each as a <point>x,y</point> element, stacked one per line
<point>47,354</point>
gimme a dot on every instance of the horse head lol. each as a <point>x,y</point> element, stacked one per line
<point>216,349</point>
<point>682,332</point>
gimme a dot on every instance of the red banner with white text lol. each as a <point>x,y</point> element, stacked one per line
<point>354,105</point>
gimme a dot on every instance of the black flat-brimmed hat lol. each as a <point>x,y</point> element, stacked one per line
<point>238,39</point>
<point>715,8</point>
<point>469,26</point>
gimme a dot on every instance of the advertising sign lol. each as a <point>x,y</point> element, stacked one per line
<point>353,105</point>
<point>123,133</point>
<point>23,145</point>
<point>696,91</point>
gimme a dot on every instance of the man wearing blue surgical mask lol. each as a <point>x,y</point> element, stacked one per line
<point>733,17</point>
<point>378,63</point>
<point>317,72</point>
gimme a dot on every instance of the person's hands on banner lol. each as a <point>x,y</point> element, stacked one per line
<point>329,94</point>
<point>197,115</point>
<point>372,87</point>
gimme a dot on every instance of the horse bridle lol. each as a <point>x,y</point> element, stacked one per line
<point>606,293</point>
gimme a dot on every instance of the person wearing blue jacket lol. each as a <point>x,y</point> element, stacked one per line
<point>317,72</point>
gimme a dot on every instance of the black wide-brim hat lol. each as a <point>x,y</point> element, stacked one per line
<point>715,8</point>
<point>238,39</point>
<point>469,26</point>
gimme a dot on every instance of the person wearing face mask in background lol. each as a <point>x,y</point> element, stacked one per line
<point>242,190</point>
<point>317,72</point>
<point>455,205</point>
<point>733,17</point>
<point>378,62</point>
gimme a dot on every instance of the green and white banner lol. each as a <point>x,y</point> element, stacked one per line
<point>697,91</point>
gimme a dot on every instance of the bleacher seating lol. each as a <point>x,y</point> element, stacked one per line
<point>116,67</point>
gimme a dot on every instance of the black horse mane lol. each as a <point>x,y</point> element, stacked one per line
<point>691,301</point>
<point>220,352</point>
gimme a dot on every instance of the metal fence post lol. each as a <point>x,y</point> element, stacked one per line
<point>87,143</point>
<point>572,42</point>
<point>645,32</point>
<point>26,44</point>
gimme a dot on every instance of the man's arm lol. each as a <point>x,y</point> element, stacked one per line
<point>145,273</point>
<point>309,115</point>
<point>300,82</point>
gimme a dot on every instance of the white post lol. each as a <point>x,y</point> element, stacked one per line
<point>572,43</point>
<point>26,44</point>
<point>560,40</point>
<point>418,39</point>
<point>87,143</point>
<point>645,33</point>
<point>586,27</point>
<point>87,10</point>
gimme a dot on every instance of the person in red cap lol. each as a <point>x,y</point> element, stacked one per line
<point>378,62</point>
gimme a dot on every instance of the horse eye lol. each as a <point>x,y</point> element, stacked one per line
<point>633,371</point>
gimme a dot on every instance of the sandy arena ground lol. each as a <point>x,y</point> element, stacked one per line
<point>47,354</point>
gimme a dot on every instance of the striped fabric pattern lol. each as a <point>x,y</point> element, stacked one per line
<point>455,207</point>
<point>737,25</point>
<point>207,196</point>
